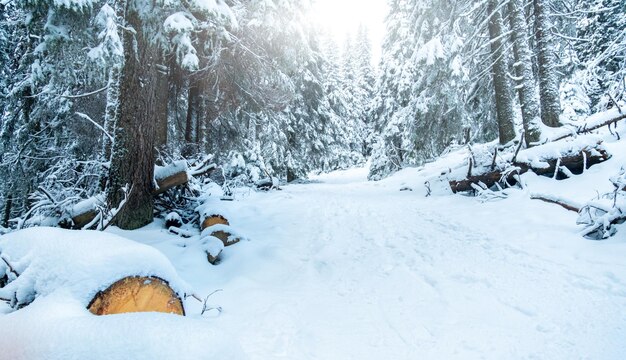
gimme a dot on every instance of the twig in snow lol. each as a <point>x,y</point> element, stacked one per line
<point>519,147</point>
<point>495,156</point>
<point>205,308</point>
<point>11,269</point>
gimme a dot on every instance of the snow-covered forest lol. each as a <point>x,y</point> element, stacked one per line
<point>294,195</point>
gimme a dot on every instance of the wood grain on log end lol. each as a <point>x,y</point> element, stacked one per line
<point>137,294</point>
<point>213,220</point>
<point>226,237</point>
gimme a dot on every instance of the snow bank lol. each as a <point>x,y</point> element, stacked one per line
<point>212,207</point>
<point>66,269</point>
<point>57,332</point>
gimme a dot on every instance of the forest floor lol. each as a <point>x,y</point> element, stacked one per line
<point>342,268</point>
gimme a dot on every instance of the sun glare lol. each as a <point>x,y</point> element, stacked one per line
<point>341,18</point>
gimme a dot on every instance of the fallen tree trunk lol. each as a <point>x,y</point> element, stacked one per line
<point>574,162</point>
<point>137,294</point>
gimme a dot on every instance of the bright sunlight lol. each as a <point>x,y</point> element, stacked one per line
<point>343,17</point>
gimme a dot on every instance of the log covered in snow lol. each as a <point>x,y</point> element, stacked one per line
<point>211,220</point>
<point>225,233</point>
<point>170,176</point>
<point>102,272</point>
<point>137,294</point>
<point>557,159</point>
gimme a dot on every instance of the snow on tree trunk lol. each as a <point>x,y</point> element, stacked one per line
<point>546,65</point>
<point>526,85</point>
<point>132,161</point>
<point>502,86</point>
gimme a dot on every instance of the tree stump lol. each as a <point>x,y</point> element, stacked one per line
<point>214,219</point>
<point>137,294</point>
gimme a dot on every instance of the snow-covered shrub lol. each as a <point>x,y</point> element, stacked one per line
<point>383,162</point>
<point>599,217</point>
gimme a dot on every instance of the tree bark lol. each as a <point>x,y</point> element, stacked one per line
<point>527,86</point>
<point>110,118</point>
<point>546,65</point>
<point>161,113</point>
<point>501,83</point>
<point>192,98</point>
<point>132,160</point>
<point>7,210</point>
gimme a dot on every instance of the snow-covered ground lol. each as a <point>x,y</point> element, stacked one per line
<point>342,268</point>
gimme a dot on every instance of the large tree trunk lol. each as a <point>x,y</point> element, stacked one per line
<point>110,118</point>
<point>526,86</point>
<point>192,100</point>
<point>501,83</point>
<point>7,210</point>
<point>546,65</point>
<point>132,160</point>
<point>161,113</point>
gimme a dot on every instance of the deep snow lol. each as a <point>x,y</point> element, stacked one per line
<point>342,268</point>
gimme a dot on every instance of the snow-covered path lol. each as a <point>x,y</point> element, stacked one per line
<point>345,269</point>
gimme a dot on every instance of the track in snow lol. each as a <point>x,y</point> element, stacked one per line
<point>346,269</point>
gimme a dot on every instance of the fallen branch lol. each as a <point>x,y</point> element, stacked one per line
<point>593,124</point>
<point>568,205</point>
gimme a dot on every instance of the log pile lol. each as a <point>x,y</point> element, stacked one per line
<point>166,178</point>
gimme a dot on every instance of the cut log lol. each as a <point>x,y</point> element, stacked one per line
<point>227,238</point>
<point>137,294</point>
<point>172,181</point>
<point>225,233</point>
<point>213,259</point>
<point>575,163</point>
<point>84,212</point>
<point>173,219</point>
<point>211,220</point>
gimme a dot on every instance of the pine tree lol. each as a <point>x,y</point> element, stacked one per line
<point>502,87</point>
<point>526,85</point>
<point>546,64</point>
<point>602,49</point>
